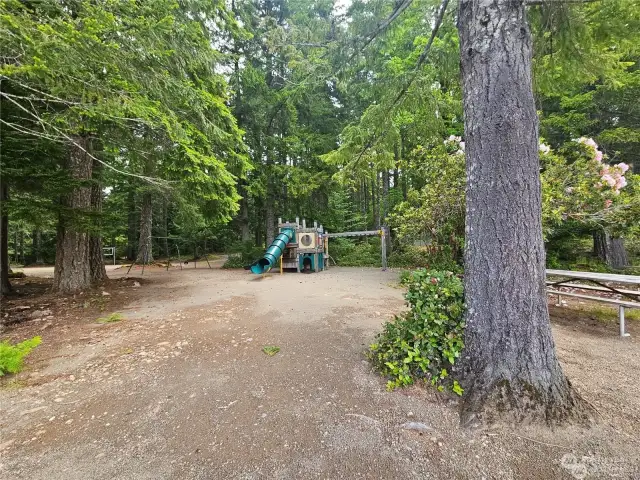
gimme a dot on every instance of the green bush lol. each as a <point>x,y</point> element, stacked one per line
<point>234,261</point>
<point>243,254</point>
<point>12,356</point>
<point>405,276</point>
<point>410,256</point>
<point>352,253</point>
<point>426,341</point>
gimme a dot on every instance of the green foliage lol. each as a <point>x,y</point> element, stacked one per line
<point>270,350</point>
<point>435,213</point>
<point>243,254</point>
<point>355,253</point>
<point>432,257</point>
<point>111,318</point>
<point>12,356</point>
<point>142,81</point>
<point>425,342</point>
<point>279,109</point>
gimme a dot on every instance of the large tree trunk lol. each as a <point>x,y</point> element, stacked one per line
<point>610,249</point>
<point>404,177</point>
<point>36,246</point>
<point>245,231</point>
<point>364,190</point>
<point>5,285</point>
<point>145,253</point>
<point>269,220</point>
<point>396,165</point>
<point>510,367</point>
<point>375,194</point>
<point>385,206</point>
<point>96,256</point>
<point>21,259</point>
<point>385,196</point>
<point>132,224</point>
<point>165,228</point>
<point>72,269</point>
<point>16,248</point>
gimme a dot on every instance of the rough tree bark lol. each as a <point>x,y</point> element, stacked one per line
<point>96,256</point>
<point>21,259</point>
<point>132,224</point>
<point>396,165</point>
<point>72,269</point>
<point>363,199</point>
<point>5,285</point>
<point>385,205</point>
<point>145,253</point>
<point>610,249</point>
<point>510,369</point>
<point>270,219</point>
<point>165,228</point>
<point>385,195</point>
<point>375,197</point>
<point>37,246</point>
<point>16,249</point>
<point>245,230</point>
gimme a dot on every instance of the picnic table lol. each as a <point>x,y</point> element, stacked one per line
<point>603,283</point>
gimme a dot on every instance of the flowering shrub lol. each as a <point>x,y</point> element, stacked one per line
<point>425,342</point>
<point>577,184</point>
<point>612,176</point>
<point>434,214</point>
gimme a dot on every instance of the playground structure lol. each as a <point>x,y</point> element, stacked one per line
<point>306,249</point>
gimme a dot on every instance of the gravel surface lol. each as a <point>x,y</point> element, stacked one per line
<point>181,389</point>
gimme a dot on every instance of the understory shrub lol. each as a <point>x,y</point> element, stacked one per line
<point>244,254</point>
<point>410,256</point>
<point>12,356</point>
<point>426,341</point>
<point>355,253</point>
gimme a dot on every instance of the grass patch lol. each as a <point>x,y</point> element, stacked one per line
<point>13,383</point>
<point>12,356</point>
<point>114,317</point>
<point>270,350</point>
<point>606,314</point>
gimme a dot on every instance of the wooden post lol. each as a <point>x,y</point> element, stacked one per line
<point>280,264</point>
<point>326,252</point>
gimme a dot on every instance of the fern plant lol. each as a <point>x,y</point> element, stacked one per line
<point>12,356</point>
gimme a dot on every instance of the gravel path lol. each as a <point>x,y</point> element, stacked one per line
<point>182,390</point>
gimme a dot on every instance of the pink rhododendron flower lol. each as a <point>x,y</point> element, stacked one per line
<point>609,180</point>
<point>607,203</point>
<point>599,156</point>
<point>623,166</point>
<point>621,182</point>
<point>590,142</point>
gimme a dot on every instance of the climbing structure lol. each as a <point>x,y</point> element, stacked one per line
<point>295,247</point>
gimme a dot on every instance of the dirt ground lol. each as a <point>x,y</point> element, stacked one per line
<point>180,389</point>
